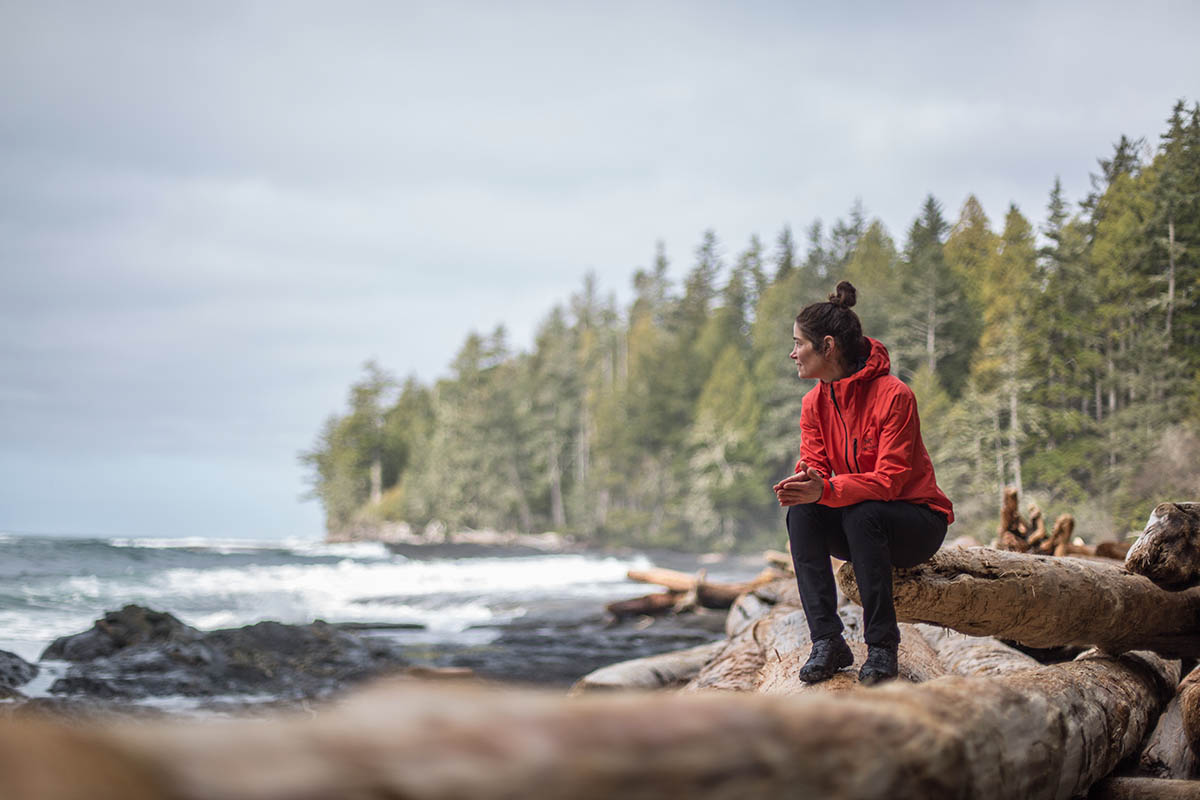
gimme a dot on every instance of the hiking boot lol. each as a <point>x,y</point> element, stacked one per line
<point>828,656</point>
<point>879,666</point>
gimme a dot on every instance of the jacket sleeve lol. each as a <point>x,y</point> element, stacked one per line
<point>893,464</point>
<point>812,444</point>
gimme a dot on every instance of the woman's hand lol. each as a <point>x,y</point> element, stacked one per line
<point>806,486</point>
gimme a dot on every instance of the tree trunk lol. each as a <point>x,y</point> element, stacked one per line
<point>1014,454</point>
<point>376,481</point>
<point>1170,275</point>
<point>558,513</point>
<point>1041,601</point>
<point>1044,733</point>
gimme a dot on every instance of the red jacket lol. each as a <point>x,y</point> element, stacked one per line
<point>863,434</point>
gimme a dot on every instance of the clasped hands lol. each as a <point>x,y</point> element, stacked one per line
<point>805,486</point>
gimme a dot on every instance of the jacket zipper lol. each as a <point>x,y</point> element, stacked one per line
<point>846,430</point>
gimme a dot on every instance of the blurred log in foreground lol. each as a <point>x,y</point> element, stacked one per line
<point>1144,789</point>
<point>1049,732</point>
<point>1041,601</point>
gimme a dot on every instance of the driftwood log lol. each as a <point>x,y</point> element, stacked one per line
<point>1049,732</point>
<point>1041,601</point>
<point>1144,789</point>
<point>1013,532</point>
<point>974,655</point>
<point>708,593</point>
<point>652,672</point>
<point>1166,753</point>
<point>647,605</point>
<point>1168,551</point>
<point>1189,708</point>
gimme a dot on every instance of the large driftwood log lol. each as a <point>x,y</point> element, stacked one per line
<point>1168,551</point>
<point>1040,601</point>
<point>974,655</point>
<point>652,672</point>
<point>1044,733</point>
<point>786,646</point>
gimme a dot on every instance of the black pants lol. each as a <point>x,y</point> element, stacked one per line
<point>875,536</point>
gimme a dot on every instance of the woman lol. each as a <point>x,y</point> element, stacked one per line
<point>864,489</point>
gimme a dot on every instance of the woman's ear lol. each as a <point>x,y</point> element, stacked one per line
<point>827,346</point>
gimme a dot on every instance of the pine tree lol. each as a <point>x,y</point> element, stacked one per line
<point>935,328</point>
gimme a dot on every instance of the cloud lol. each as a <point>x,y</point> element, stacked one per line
<point>211,215</point>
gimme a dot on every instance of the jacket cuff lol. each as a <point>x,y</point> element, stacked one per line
<point>826,489</point>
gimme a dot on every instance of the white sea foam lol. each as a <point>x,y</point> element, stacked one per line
<point>444,595</point>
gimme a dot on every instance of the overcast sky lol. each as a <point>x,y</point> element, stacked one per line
<point>211,214</point>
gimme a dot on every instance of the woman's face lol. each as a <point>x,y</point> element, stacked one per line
<point>810,363</point>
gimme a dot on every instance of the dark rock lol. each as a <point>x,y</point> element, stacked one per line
<point>268,658</point>
<point>117,630</point>
<point>14,671</point>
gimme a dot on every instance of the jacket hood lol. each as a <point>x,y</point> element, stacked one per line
<point>877,364</point>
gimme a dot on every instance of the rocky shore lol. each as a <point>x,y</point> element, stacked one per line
<point>134,659</point>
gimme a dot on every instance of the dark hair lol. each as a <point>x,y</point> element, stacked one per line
<point>835,319</point>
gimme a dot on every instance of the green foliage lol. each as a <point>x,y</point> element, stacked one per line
<point>1069,367</point>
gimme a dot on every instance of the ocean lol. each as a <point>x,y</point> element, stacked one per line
<point>463,609</point>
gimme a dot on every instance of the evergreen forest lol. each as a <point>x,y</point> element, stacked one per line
<point>1059,356</point>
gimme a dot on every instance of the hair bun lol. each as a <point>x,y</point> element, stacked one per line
<point>845,295</point>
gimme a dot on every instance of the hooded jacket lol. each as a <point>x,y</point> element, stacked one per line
<point>863,435</point>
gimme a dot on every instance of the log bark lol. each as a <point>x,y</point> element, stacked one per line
<point>1040,601</point>
<point>1050,732</point>
<point>982,656</point>
<point>1144,789</point>
<point>652,672</point>
<point>1168,551</point>
<point>1167,754</point>
<point>1189,708</point>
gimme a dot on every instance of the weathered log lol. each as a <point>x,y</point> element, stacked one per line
<point>1114,550</point>
<point>1044,733</point>
<point>767,656</point>
<point>1168,551</point>
<point>652,672</point>
<point>918,662</point>
<point>961,654</point>
<point>779,560</point>
<point>1040,601</point>
<point>671,579</point>
<point>722,595</point>
<point>1167,754</point>
<point>1144,789</point>
<point>709,594</point>
<point>647,605</point>
<point>1189,708</point>
<point>1014,529</point>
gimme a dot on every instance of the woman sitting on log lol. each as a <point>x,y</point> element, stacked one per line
<point>864,489</point>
